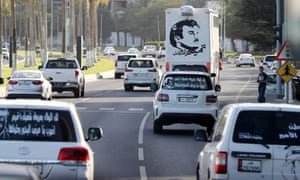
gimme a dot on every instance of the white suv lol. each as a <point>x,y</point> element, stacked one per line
<point>252,141</point>
<point>185,97</point>
<point>143,72</point>
<point>120,64</point>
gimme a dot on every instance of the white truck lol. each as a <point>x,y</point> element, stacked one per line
<point>65,75</point>
<point>192,38</point>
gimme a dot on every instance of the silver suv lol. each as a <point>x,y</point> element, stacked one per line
<point>142,72</point>
<point>120,64</point>
<point>252,141</point>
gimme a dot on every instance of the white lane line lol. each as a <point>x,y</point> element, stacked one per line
<point>143,173</point>
<point>106,109</point>
<point>141,154</point>
<point>141,129</point>
<point>242,89</point>
<point>136,109</point>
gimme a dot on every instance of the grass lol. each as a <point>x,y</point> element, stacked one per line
<point>102,64</point>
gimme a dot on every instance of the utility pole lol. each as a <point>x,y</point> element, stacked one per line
<point>278,45</point>
<point>1,56</point>
<point>14,59</point>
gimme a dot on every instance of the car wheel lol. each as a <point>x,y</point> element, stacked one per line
<point>153,87</point>
<point>77,92</point>
<point>82,91</point>
<point>117,76</point>
<point>157,127</point>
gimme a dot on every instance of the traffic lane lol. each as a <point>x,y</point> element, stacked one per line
<point>116,155</point>
<point>237,85</point>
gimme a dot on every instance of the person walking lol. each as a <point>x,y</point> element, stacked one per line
<point>262,83</point>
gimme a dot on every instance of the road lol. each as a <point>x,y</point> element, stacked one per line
<point>129,148</point>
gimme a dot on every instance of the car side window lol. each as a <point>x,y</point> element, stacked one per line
<point>220,124</point>
<point>36,125</point>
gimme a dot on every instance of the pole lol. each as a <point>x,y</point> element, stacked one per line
<point>158,31</point>
<point>14,63</point>
<point>51,26</point>
<point>278,45</point>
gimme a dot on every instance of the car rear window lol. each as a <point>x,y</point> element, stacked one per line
<point>36,125</point>
<point>198,68</point>
<point>186,82</point>
<point>267,127</point>
<point>270,58</point>
<point>69,64</point>
<point>140,64</point>
<point>125,57</point>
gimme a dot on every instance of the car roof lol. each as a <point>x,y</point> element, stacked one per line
<point>263,106</point>
<point>28,103</point>
<point>186,73</point>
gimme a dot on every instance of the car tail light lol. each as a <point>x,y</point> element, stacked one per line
<point>128,70</point>
<point>38,82</point>
<point>12,82</point>
<point>167,66</point>
<point>116,64</point>
<point>211,99</point>
<point>74,154</point>
<point>163,97</point>
<point>221,163</point>
<point>152,70</point>
<point>77,73</point>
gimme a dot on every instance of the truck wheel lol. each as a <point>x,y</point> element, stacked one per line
<point>77,92</point>
<point>157,127</point>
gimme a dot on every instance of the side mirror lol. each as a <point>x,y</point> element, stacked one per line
<point>40,66</point>
<point>94,134</point>
<point>218,88</point>
<point>201,135</point>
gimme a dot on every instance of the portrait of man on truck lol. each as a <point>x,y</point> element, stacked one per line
<point>184,35</point>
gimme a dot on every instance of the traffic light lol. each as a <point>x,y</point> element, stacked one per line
<point>278,33</point>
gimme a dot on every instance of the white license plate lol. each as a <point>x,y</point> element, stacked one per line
<point>140,75</point>
<point>187,99</point>
<point>25,83</point>
<point>249,165</point>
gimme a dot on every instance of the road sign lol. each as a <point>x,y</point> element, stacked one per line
<point>287,72</point>
<point>285,53</point>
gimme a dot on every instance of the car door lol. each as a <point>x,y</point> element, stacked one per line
<point>286,148</point>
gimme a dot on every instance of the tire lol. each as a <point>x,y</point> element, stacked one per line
<point>77,92</point>
<point>128,88</point>
<point>197,172</point>
<point>82,91</point>
<point>153,87</point>
<point>117,76</point>
<point>157,127</point>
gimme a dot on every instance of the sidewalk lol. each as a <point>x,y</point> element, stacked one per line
<point>88,78</point>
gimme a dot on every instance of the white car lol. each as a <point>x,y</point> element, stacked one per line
<point>5,53</point>
<point>109,51</point>
<point>141,72</point>
<point>121,63</point>
<point>28,84</point>
<point>268,60</point>
<point>245,60</point>
<point>47,135</point>
<point>252,141</point>
<point>185,97</point>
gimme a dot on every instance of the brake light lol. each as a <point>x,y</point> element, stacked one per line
<point>77,73</point>
<point>116,64</point>
<point>152,70</point>
<point>211,99</point>
<point>37,82</point>
<point>12,82</point>
<point>163,97</point>
<point>221,163</point>
<point>167,66</point>
<point>128,70</point>
<point>74,154</point>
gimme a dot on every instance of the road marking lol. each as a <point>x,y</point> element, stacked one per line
<point>80,108</point>
<point>141,154</point>
<point>106,109</point>
<point>143,173</point>
<point>141,129</point>
<point>136,109</point>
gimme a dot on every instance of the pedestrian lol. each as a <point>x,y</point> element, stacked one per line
<point>262,83</point>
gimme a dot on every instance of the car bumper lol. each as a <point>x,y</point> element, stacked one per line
<point>64,86</point>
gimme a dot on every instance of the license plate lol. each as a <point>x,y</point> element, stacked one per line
<point>186,99</point>
<point>140,75</point>
<point>25,83</point>
<point>249,165</point>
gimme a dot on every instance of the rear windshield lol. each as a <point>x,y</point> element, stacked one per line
<point>69,64</point>
<point>268,127</point>
<point>140,63</point>
<point>36,125</point>
<point>197,68</point>
<point>270,58</point>
<point>186,82</point>
<point>125,57</point>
